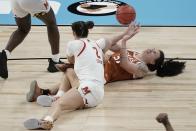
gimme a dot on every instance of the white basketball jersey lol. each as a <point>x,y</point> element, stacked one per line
<point>88,58</point>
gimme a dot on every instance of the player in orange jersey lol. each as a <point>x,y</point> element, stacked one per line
<point>125,64</point>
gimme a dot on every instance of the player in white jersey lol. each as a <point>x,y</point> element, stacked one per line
<point>23,10</point>
<point>85,87</point>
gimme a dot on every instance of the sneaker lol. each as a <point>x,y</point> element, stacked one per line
<point>3,65</point>
<point>32,124</point>
<point>34,92</point>
<point>51,68</point>
<point>46,101</point>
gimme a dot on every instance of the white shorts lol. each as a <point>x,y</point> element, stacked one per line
<point>91,92</point>
<point>22,8</point>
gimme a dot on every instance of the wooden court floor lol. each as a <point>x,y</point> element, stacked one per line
<point>128,105</point>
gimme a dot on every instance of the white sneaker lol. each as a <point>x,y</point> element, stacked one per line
<point>33,124</point>
<point>45,100</point>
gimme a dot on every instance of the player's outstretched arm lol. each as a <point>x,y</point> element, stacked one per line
<point>125,63</point>
<point>163,118</point>
<point>111,43</point>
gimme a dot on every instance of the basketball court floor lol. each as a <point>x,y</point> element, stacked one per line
<point>128,105</point>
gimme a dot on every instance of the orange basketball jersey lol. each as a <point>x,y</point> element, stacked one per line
<point>114,72</point>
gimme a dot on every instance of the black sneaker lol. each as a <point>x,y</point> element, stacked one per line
<point>51,67</point>
<point>3,65</point>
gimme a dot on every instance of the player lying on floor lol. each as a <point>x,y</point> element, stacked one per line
<point>122,65</point>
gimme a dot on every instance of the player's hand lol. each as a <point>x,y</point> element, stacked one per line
<point>162,118</point>
<point>132,30</point>
<point>64,67</point>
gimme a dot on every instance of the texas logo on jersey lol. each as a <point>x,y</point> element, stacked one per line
<point>114,72</point>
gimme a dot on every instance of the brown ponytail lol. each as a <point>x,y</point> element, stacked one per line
<point>170,68</point>
<point>166,68</point>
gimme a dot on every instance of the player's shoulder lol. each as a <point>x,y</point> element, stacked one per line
<point>101,40</point>
<point>143,67</point>
<point>75,42</point>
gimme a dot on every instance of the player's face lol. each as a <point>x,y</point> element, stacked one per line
<point>151,55</point>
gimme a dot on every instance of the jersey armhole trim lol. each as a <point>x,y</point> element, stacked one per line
<point>98,45</point>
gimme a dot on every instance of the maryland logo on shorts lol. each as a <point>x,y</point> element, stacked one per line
<point>86,90</point>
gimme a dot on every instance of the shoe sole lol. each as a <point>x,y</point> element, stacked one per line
<point>30,94</point>
<point>4,76</point>
<point>33,124</point>
<point>44,100</point>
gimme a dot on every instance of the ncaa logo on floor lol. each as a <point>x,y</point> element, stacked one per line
<point>95,7</point>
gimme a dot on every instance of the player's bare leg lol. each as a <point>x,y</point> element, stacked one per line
<point>24,26</point>
<point>73,79</point>
<point>53,37</point>
<point>70,101</point>
<point>68,81</point>
<point>53,32</point>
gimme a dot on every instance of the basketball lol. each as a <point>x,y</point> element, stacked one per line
<point>125,14</point>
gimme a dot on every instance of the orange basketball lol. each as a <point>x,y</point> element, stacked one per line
<point>125,14</point>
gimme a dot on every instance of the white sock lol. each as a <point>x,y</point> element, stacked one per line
<point>8,54</point>
<point>56,57</point>
<point>59,93</point>
<point>49,118</point>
